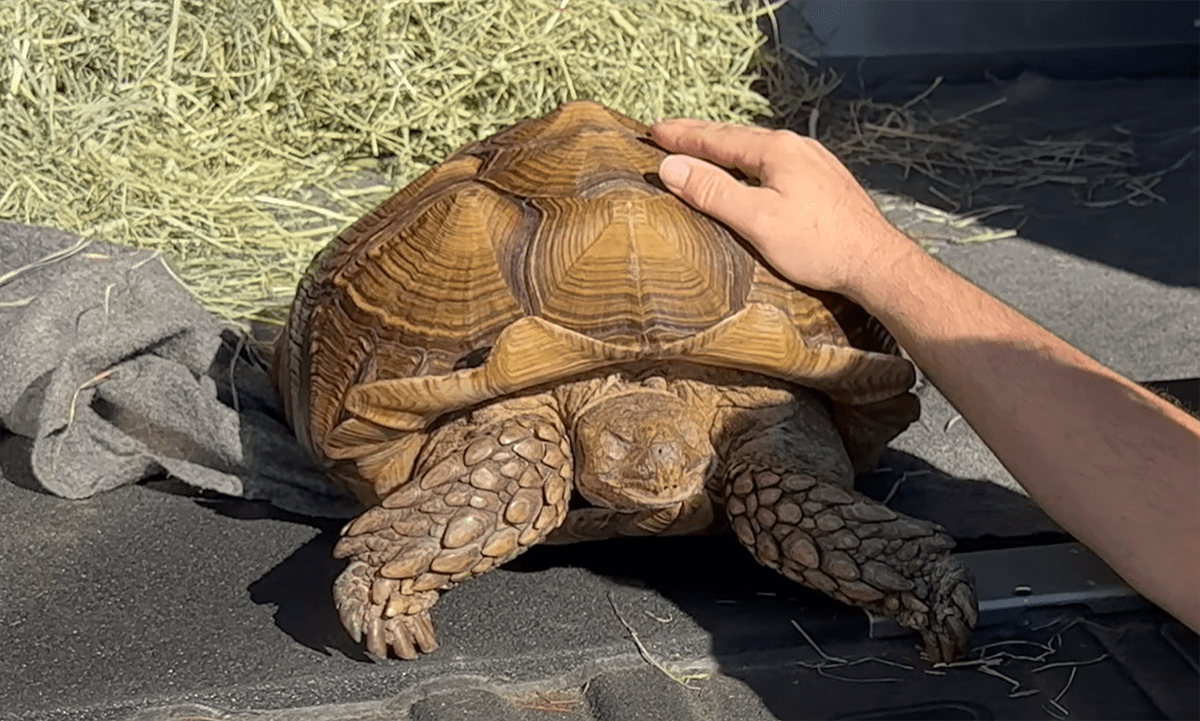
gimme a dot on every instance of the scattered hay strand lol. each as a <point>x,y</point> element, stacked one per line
<point>1073,664</point>
<point>815,647</point>
<point>86,385</point>
<point>989,657</point>
<point>566,701</point>
<point>683,679</point>
<point>660,619</point>
<point>900,481</point>
<point>1054,702</point>
<point>989,670</point>
<point>962,156</point>
<point>829,662</point>
<point>50,259</point>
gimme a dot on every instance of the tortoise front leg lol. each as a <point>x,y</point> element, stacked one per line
<point>791,503</point>
<point>482,493</point>
<point>857,551</point>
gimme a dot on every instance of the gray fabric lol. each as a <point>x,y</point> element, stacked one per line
<point>117,375</point>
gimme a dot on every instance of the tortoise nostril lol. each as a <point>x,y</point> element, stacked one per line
<point>665,452</point>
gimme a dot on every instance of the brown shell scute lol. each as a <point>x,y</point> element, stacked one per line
<point>632,268</point>
<point>438,279</point>
<point>612,257</point>
<point>602,157</point>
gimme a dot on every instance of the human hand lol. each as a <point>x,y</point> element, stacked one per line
<point>809,218</point>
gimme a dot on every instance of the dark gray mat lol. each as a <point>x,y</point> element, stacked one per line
<point>157,596</point>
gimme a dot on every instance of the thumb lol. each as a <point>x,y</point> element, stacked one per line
<point>711,190</point>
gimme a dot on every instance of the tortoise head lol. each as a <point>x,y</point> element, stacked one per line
<point>643,448</point>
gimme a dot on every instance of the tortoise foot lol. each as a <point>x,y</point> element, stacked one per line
<point>946,627</point>
<point>373,610</point>
<point>857,551</point>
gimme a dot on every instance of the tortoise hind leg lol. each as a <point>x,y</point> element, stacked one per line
<point>483,491</point>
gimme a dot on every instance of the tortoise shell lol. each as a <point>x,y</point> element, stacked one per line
<point>543,252</point>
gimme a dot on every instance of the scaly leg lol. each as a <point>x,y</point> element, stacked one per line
<point>482,493</point>
<point>788,494</point>
<point>858,551</point>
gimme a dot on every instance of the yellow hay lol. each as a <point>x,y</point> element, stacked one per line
<point>237,136</point>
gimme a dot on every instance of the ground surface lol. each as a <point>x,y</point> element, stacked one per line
<point>153,601</point>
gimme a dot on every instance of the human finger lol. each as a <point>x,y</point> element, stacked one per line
<point>747,148</point>
<point>711,190</point>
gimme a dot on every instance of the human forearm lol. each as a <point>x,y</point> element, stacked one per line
<point>1114,464</point>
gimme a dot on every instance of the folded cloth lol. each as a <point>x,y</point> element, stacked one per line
<point>117,375</point>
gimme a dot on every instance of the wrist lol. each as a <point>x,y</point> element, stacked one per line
<point>892,258</point>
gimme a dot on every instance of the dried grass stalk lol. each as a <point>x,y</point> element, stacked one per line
<point>237,136</point>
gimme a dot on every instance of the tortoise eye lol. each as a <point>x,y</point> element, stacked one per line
<point>614,446</point>
<point>474,359</point>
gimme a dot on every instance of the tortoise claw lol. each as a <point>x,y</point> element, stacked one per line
<point>964,599</point>
<point>422,631</point>
<point>351,592</point>
<point>402,644</point>
<point>948,633</point>
<point>376,638</point>
<point>405,633</point>
<point>410,633</point>
<point>355,630</point>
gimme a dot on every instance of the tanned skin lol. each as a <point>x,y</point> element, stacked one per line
<point>1114,464</point>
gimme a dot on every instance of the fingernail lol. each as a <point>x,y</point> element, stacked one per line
<point>674,171</point>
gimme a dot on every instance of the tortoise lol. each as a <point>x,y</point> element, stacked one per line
<point>535,342</point>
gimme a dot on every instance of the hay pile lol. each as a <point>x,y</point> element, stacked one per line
<point>238,136</point>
